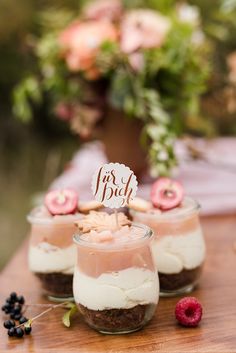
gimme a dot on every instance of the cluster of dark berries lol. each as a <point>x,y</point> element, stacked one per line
<point>13,308</point>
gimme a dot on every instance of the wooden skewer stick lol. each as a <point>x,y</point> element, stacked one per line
<point>117,222</point>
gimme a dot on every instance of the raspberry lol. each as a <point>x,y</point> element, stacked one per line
<point>188,311</point>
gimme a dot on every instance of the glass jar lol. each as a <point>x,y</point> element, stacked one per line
<point>178,248</point>
<point>52,253</point>
<point>116,286</point>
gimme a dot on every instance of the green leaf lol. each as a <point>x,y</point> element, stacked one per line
<point>121,87</point>
<point>67,316</point>
<point>25,93</point>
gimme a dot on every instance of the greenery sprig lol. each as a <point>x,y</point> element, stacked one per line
<point>163,91</point>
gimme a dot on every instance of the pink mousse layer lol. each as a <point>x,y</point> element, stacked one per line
<point>183,219</point>
<point>111,251</point>
<point>55,230</point>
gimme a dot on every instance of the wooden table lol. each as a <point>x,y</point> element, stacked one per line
<point>217,293</point>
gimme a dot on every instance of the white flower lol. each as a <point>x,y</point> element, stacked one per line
<point>163,156</point>
<point>189,14</point>
<point>198,37</point>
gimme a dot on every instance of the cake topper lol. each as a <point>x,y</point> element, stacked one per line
<point>114,185</point>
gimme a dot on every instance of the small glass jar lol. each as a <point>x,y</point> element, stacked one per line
<point>116,286</point>
<point>178,248</point>
<point>52,253</point>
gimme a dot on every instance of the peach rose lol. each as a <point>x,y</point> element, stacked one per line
<point>103,9</point>
<point>143,29</point>
<point>80,43</point>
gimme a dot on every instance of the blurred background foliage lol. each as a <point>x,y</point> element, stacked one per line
<point>18,25</point>
<point>31,156</point>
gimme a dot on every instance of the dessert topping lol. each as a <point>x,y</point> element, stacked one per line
<point>101,221</point>
<point>61,202</point>
<point>166,193</point>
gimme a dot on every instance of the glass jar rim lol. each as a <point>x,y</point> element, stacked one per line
<point>148,234</point>
<point>53,220</point>
<point>166,216</point>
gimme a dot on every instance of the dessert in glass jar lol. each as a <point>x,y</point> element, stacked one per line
<point>52,253</point>
<point>115,283</point>
<point>179,246</point>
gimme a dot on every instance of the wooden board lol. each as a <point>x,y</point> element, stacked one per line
<point>217,292</point>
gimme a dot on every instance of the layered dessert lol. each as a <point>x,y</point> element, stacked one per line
<point>178,247</point>
<point>115,283</point>
<point>52,252</point>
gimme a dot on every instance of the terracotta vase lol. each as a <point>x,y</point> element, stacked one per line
<point>121,138</point>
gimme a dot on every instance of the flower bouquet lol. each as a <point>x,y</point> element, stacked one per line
<point>149,63</point>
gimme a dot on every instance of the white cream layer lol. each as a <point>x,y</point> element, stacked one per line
<point>173,253</point>
<point>122,289</point>
<point>47,258</point>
